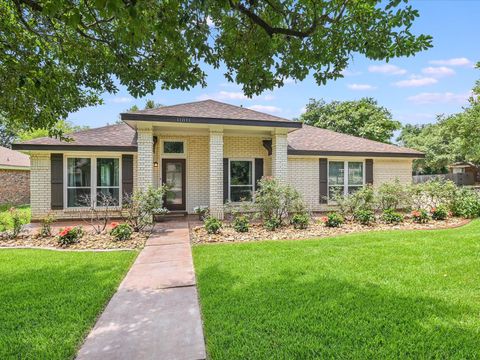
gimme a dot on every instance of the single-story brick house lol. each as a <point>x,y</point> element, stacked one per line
<point>14,177</point>
<point>210,152</point>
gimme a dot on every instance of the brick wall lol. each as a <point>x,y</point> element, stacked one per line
<point>15,187</point>
<point>303,174</point>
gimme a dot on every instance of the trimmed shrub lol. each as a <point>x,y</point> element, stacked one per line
<point>70,235</point>
<point>241,223</point>
<point>364,217</point>
<point>272,224</point>
<point>333,220</point>
<point>276,201</point>
<point>362,199</point>
<point>390,216</point>
<point>439,213</point>
<point>121,231</point>
<point>466,203</point>
<point>300,221</point>
<point>392,195</point>
<point>212,224</point>
<point>420,216</point>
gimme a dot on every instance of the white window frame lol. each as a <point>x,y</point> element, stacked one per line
<point>252,160</point>
<point>173,155</point>
<point>93,180</point>
<point>345,176</point>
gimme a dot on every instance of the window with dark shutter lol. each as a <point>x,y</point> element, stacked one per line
<point>225,180</point>
<point>127,174</point>
<point>369,171</point>
<point>258,171</point>
<point>323,165</point>
<point>56,180</point>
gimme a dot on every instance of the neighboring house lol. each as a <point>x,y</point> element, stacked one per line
<point>14,177</point>
<point>469,170</point>
<point>210,152</point>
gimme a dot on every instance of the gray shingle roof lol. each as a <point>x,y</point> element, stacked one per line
<point>119,137</point>
<point>314,140</point>
<point>210,109</point>
<point>13,159</point>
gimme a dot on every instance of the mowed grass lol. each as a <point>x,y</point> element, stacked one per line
<point>6,219</point>
<point>49,300</point>
<point>383,295</point>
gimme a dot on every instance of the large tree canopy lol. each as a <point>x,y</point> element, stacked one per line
<point>452,138</point>
<point>363,118</point>
<point>57,56</point>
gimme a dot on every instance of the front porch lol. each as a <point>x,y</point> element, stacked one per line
<point>201,162</point>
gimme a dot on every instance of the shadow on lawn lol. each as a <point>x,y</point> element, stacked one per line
<point>290,317</point>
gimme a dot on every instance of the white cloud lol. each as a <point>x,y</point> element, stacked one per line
<point>432,98</point>
<point>361,87</point>
<point>265,108</point>
<point>418,117</point>
<point>438,71</point>
<point>224,95</point>
<point>452,62</point>
<point>416,81</point>
<point>387,69</point>
<point>121,99</point>
<point>268,97</point>
<point>210,22</point>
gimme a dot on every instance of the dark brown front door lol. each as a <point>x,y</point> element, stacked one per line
<point>173,174</point>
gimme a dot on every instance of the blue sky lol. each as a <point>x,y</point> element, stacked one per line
<point>415,89</point>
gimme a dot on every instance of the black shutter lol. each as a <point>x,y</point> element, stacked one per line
<point>369,171</point>
<point>127,174</point>
<point>225,180</point>
<point>56,181</point>
<point>323,180</point>
<point>258,171</point>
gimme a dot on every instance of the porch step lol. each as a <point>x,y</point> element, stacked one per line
<point>171,215</point>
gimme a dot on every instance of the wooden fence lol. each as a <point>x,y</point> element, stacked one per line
<point>459,179</point>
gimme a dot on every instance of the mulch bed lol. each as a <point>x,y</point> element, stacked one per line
<point>315,230</point>
<point>88,242</point>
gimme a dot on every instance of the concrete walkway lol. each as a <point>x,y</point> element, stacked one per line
<point>155,313</point>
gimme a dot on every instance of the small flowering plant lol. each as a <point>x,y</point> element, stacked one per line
<point>332,220</point>
<point>70,235</point>
<point>121,231</point>
<point>439,213</point>
<point>420,216</point>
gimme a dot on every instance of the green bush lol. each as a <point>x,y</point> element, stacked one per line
<point>432,194</point>
<point>333,220</point>
<point>362,199</point>
<point>440,213</point>
<point>420,216</point>
<point>390,216</point>
<point>392,195</point>
<point>272,224</point>
<point>241,223</point>
<point>466,203</point>
<point>70,235</point>
<point>364,217</point>
<point>46,225</point>
<point>212,224</point>
<point>276,201</point>
<point>300,221</point>
<point>121,231</point>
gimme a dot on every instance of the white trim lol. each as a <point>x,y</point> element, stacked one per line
<point>252,160</point>
<point>345,161</point>
<point>93,179</point>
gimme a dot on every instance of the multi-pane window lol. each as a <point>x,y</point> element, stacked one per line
<point>108,183</point>
<point>241,180</point>
<point>344,177</point>
<point>173,147</point>
<point>78,181</point>
<point>92,178</point>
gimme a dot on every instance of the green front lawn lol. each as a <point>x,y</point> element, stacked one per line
<point>49,300</point>
<point>6,220</point>
<point>398,294</point>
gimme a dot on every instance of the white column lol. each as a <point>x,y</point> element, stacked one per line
<point>145,158</point>
<point>216,173</point>
<point>40,187</point>
<point>279,157</point>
